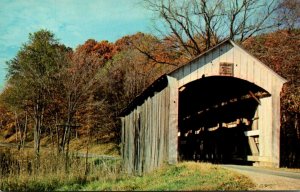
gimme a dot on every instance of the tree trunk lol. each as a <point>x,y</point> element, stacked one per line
<point>37,129</point>
<point>37,135</point>
<point>57,134</point>
<point>25,131</point>
<point>86,156</point>
<point>67,148</point>
<point>18,130</point>
<point>67,135</point>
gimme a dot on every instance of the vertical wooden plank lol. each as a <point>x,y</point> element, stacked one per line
<point>270,83</point>
<point>277,86</point>
<point>226,52</point>
<point>181,76</point>
<point>230,53</point>
<point>237,63</point>
<point>166,124</point>
<point>130,131</point>
<point>263,78</point>
<point>128,143</point>
<point>159,128</point>
<point>173,121</point>
<point>187,72</point>
<point>256,74</point>
<point>175,74</point>
<point>215,62</point>
<point>250,63</point>
<point>147,140</point>
<point>222,52</point>
<point>154,129</point>
<point>159,119</point>
<point>141,138</point>
<point>200,70</point>
<point>125,144</point>
<point>132,148</point>
<point>122,137</point>
<point>151,133</point>
<point>143,127</point>
<point>146,164</point>
<point>161,124</point>
<point>205,66</point>
<point>209,64</point>
<point>267,129</point>
<point>194,67</point>
<point>243,66</point>
<point>260,127</point>
<point>138,141</point>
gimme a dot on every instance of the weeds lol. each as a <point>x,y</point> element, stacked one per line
<point>183,176</point>
<point>20,171</point>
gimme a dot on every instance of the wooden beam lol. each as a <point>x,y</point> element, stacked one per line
<point>251,133</point>
<point>254,97</point>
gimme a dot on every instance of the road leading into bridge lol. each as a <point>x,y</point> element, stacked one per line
<point>269,179</point>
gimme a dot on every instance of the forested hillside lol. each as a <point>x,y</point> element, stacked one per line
<point>53,91</point>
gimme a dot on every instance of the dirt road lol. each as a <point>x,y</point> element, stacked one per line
<point>267,179</point>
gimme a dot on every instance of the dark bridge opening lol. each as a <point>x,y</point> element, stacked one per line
<point>214,113</point>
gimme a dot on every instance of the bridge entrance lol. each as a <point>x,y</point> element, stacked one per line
<point>215,114</point>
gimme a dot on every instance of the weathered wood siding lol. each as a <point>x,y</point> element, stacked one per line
<point>149,132</point>
<point>246,67</point>
<point>249,68</point>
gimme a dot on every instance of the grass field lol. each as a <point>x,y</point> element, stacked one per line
<point>19,172</point>
<point>183,176</point>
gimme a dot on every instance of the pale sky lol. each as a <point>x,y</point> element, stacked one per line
<point>72,22</point>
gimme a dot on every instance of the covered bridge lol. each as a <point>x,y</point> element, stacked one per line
<point>221,107</point>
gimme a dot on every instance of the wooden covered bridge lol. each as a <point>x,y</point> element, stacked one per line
<point>221,107</point>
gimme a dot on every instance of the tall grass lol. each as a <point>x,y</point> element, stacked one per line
<point>21,171</point>
<point>184,176</point>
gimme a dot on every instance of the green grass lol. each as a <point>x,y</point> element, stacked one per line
<point>18,172</point>
<point>183,176</point>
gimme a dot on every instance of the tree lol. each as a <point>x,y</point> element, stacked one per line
<point>7,122</point>
<point>13,116</point>
<point>31,77</point>
<point>135,66</point>
<point>81,101</point>
<point>289,14</point>
<point>197,25</point>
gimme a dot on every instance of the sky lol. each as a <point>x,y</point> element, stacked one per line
<point>72,21</point>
